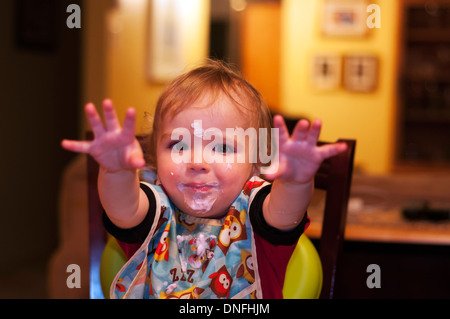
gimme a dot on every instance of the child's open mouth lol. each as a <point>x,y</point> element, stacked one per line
<point>198,187</point>
<point>200,197</point>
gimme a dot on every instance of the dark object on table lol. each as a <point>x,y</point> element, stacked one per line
<point>421,210</point>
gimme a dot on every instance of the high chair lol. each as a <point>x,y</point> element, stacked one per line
<point>310,273</point>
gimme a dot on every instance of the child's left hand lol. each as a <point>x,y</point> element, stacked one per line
<point>299,155</point>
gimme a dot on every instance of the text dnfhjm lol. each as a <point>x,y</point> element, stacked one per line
<point>226,308</point>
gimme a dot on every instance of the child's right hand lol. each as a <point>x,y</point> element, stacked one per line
<point>113,147</point>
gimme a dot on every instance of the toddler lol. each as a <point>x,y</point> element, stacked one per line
<point>209,227</point>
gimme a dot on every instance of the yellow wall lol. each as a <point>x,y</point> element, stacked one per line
<point>93,56</point>
<point>369,118</point>
<point>256,50</point>
<point>127,83</point>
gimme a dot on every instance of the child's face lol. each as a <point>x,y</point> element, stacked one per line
<point>205,187</point>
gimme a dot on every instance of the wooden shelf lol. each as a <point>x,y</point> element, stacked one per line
<point>427,117</point>
<point>424,99</point>
<point>428,35</point>
<point>415,77</point>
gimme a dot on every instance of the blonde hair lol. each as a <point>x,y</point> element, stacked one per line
<point>213,79</point>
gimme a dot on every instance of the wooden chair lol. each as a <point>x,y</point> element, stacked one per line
<point>334,176</point>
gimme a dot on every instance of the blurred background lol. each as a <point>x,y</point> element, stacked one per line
<point>376,71</point>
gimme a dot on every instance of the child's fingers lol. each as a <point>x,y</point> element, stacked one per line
<point>135,156</point>
<point>330,150</point>
<point>94,119</point>
<point>314,132</point>
<point>111,120</point>
<point>278,122</point>
<point>300,130</point>
<point>129,125</point>
<point>137,160</point>
<point>76,146</point>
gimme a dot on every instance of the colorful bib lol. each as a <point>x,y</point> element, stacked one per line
<point>191,258</point>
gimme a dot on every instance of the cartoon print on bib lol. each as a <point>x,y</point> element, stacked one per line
<point>191,293</point>
<point>246,268</point>
<point>190,257</point>
<point>233,229</point>
<point>162,250</point>
<point>221,282</point>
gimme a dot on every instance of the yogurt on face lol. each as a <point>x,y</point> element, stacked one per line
<point>200,197</point>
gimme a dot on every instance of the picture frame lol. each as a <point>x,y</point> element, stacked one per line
<point>326,70</point>
<point>165,55</point>
<point>344,18</point>
<point>360,73</point>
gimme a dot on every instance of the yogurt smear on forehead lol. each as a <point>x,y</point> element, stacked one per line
<point>200,132</point>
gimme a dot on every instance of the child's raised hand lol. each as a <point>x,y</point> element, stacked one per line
<point>113,147</point>
<point>300,157</point>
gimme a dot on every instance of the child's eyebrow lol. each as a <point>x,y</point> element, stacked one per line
<point>168,135</point>
<point>165,136</point>
<point>179,134</point>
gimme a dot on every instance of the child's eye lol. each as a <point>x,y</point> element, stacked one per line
<point>178,146</point>
<point>223,148</point>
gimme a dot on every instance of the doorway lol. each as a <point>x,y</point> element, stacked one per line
<point>40,79</point>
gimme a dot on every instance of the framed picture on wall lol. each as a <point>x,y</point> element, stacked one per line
<point>326,71</point>
<point>165,55</point>
<point>344,18</point>
<point>361,73</point>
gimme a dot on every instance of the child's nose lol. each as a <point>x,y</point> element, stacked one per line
<point>199,163</point>
<point>199,167</point>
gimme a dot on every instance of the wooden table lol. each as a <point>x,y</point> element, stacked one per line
<point>414,256</point>
<point>375,209</point>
